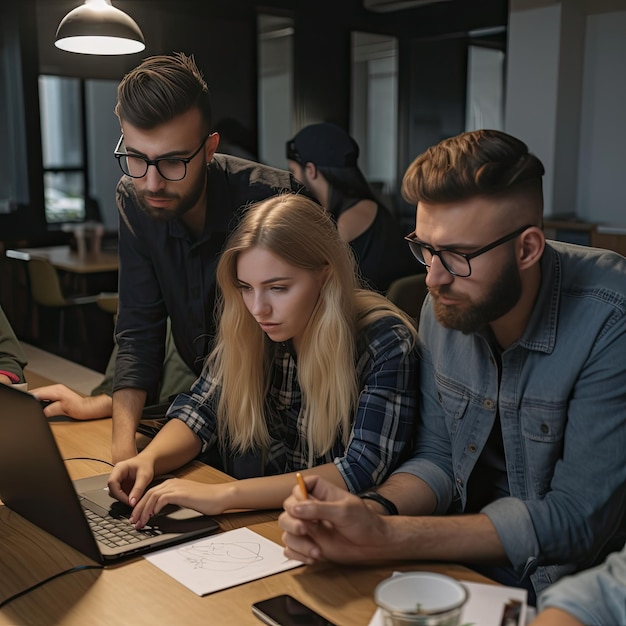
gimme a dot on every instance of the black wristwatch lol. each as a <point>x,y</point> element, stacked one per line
<point>388,505</point>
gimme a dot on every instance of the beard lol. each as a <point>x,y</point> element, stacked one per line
<point>503,295</point>
<point>184,202</point>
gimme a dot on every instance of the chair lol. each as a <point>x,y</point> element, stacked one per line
<point>45,289</point>
<point>108,301</point>
<point>408,294</point>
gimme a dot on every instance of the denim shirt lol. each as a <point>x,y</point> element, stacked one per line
<point>562,407</point>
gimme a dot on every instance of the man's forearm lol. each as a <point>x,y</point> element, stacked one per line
<point>98,406</point>
<point>416,534</point>
<point>127,407</point>
<point>449,538</point>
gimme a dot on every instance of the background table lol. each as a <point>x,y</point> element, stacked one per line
<point>64,258</point>
<point>89,274</point>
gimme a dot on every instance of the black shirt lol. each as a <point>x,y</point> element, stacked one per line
<point>381,253</point>
<point>164,271</point>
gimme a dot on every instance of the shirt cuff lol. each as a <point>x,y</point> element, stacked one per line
<point>514,526</point>
<point>14,378</point>
<point>438,481</point>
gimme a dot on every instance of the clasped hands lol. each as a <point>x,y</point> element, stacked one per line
<point>331,525</point>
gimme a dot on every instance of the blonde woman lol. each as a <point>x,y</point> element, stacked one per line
<point>308,371</point>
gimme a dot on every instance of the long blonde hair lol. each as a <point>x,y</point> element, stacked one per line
<point>301,233</point>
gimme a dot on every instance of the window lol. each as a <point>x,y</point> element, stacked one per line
<point>485,88</point>
<point>275,43</point>
<point>374,115</point>
<point>62,103</point>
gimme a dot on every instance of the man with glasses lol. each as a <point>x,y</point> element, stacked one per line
<point>519,468</point>
<point>178,201</point>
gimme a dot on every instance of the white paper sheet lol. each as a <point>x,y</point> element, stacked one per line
<point>485,606</point>
<point>221,561</point>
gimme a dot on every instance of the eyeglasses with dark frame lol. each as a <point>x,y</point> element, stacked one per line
<point>456,263</point>
<point>170,168</point>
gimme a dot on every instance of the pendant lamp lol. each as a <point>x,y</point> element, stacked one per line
<point>97,27</point>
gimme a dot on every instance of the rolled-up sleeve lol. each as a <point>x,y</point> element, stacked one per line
<point>12,358</point>
<point>197,409</point>
<point>585,502</point>
<point>432,455</point>
<point>387,408</point>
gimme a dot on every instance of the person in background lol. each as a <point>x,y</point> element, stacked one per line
<point>595,597</point>
<point>12,357</point>
<point>176,377</point>
<point>519,468</point>
<point>307,371</point>
<point>323,157</point>
<point>177,202</point>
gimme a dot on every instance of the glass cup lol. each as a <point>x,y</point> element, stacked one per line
<point>421,598</point>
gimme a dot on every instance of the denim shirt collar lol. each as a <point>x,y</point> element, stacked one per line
<point>540,332</point>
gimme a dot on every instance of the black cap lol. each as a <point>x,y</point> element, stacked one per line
<point>323,144</point>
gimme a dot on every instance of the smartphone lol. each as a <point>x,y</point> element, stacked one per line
<point>287,611</point>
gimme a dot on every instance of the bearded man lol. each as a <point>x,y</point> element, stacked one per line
<point>178,200</point>
<point>519,468</point>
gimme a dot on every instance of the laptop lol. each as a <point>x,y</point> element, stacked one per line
<point>34,482</point>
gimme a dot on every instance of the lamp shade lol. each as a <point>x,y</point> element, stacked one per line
<point>97,27</point>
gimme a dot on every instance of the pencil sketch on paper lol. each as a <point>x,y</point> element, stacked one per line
<point>222,561</point>
<point>221,556</point>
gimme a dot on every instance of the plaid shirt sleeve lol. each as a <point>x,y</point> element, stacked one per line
<point>197,408</point>
<point>387,409</point>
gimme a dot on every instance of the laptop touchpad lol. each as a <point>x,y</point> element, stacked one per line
<point>116,508</point>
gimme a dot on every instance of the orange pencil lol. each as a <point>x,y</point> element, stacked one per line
<point>303,488</point>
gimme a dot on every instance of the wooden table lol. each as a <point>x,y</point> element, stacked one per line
<point>64,258</point>
<point>137,593</point>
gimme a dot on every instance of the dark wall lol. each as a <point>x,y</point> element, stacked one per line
<point>321,65</point>
<point>433,99</point>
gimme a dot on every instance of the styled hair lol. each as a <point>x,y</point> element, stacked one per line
<point>301,233</point>
<point>486,163</point>
<point>160,89</point>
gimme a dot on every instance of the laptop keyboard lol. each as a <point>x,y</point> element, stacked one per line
<point>114,532</point>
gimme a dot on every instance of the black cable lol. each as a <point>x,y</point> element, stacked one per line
<point>89,458</point>
<point>76,568</point>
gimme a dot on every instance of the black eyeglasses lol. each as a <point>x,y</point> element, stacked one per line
<point>170,168</point>
<point>457,263</point>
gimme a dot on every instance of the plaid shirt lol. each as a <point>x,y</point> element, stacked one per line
<point>382,428</point>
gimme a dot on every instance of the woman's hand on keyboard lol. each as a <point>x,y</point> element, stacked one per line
<point>207,499</point>
<point>129,479</point>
